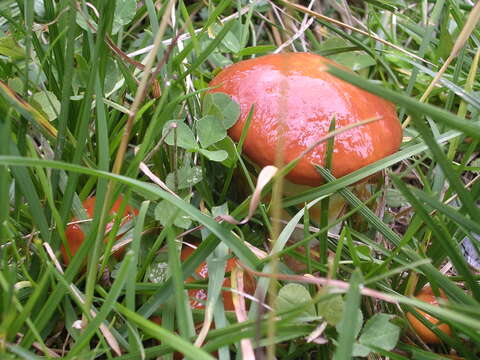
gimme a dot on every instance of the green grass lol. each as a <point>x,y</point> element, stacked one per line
<point>78,116</point>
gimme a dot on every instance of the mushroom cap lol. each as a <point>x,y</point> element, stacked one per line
<point>198,297</point>
<point>428,336</point>
<point>293,94</point>
<point>74,232</point>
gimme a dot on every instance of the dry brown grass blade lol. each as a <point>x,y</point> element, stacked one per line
<point>275,33</point>
<point>48,352</point>
<point>267,173</point>
<point>207,323</point>
<point>156,179</point>
<point>316,335</point>
<point>241,310</point>
<point>107,334</point>
<point>349,27</point>
<point>122,55</point>
<point>297,35</point>
<point>13,98</point>
<point>340,285</point>
<point>473,19</point>
<point>141,91</point>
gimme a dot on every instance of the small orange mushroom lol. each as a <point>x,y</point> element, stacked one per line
<point>198,297</point>
<point>74,232</point>
<point>428,336</point>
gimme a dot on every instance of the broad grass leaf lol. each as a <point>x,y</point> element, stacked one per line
<point>8,47</point>
<point>331,310</point>
<point>355,60</point>
<point>223,108</point>
<point>124,13</point>
<point>220,209</point>
<point>219,60</point>
<point>185,138</point>
<point>16,84</point>
<point>358,324</point>
<point>217,155</point>
<point>380,332</point>
<point>47,103</point>
<point>186,176</point>
<point>82,70</point>
<point>167,214</point>
<point>209,132</point>
<point>227,145</point>
<point>291,296</point>
<point>255,50</point>
<point>360,350</point>
<point>445,43</point>
<point>231,42</point>
<point>352,319</point>
<point>82,22</point>
<point>112,76</point>
<point>387,5</point>
<point>395,198</point>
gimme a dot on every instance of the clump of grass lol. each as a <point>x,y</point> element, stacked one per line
<point>89,109</point>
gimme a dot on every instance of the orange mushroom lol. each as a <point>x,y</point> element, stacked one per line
<point>294,97</point>
<point>74,232</point>
<point>428,336</point>
<point>198,297</point>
